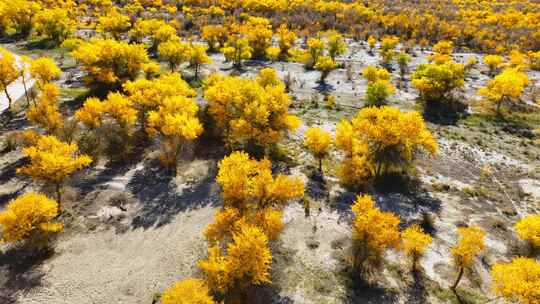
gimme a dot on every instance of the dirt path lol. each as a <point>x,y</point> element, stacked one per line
<point>15,89</point>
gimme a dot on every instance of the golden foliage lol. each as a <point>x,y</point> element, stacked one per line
<point>188,291</point>
<point>52,160</point>
<point>471,243</point>
<point>29,216</point>
<point>91,113</point>
<point>528,229</point>
<point>44,70</point>
<point>248,183</point>
<point>415,242</point>
<point>249,113</point>
<point>46,112</point>
<point>174,52</point>
<point>113,23</point>
<point>436,81</point>
<point>149,94</point>
<point>54,24</point>
<point>517,281</point>
<point>246,263</point>
<point>175,122</point>
<point>505,88</point>
<point>317,141</point>
<point>111,62</point>
<point>381,139</point>
<point>374,231</point>
<point>8,71</point>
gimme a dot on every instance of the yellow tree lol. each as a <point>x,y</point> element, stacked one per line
<point>382,139</point>
<point>251,194</point>
<point>470,244</point>
<point>54,24</point>
<point>53,161</point>
<point>8,72</point>
<point>16,16</point>
<point>175,53</point>
<point>44,70</point>
<point>442,52</point>
<point>198,57</point>
<point>494,63</point>
<point>372,73</point>
<point>528,229</point>
<point>374,232</point>
<point>30,217</point>
<point>247,183</point>
<point>175,122</point>
<point>236,50</point>
<point>517,281</point>
<point>436,82</point>
<point>250,114</point>
<point>315,49</point>
<point>414,243</point>
<point>113,23</point>
<point>335,44</point>
<point>371,44</point>
<point>247,262</point>
<point>188,291</point>
<point>158,30</point>
<point>46,113</point>
<point>403,60</point>
<point>378,91</point>
<point>505,88</point>
<point>109,62</point>
<point>325,65</point>
<point>149,94</point>
<point>121,111</point>
<point>215,36</point>
<point>258,31</point>
<point>318,143</point>
<point>286,40</point>
<point>388,45</point>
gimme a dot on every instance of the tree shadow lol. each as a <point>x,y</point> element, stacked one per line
<point>417,293</point>
<point>409,205</point>
<point>324,87</point>
<point>20,273</point>
<point>157,191</point>
<point>10,171</point>
<point>316,186</point>
<point>267,294</point>
<point>362,292</point>
<point>445,113</point>
<point>10,121</point>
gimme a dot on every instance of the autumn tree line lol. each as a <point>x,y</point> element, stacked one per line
<point>251,116</point>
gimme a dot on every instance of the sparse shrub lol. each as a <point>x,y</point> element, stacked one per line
<point>374,232</point>
<point>318,143</point>
<point>517,281</point>
<point>470,244</point>
<point>31,218</point>
<point>188,291</point>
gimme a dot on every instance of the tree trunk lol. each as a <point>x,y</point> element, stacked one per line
<point>25,90</point>
<point>10,101</point>
<point>460,274</point>
<point>58,191</point>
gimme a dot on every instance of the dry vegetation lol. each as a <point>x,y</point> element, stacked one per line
<point>269,151</point>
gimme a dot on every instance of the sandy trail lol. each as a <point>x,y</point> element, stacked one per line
<point>16,88</point>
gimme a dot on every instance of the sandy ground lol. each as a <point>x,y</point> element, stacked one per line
<point>109,267</point>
